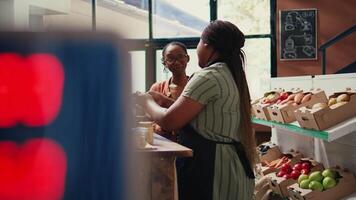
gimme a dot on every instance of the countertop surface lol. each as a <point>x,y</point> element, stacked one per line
<point>164,146</point>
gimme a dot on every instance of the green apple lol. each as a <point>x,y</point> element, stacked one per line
<point>329,173</point>
<point>304,184</point>
<point>315,185</point>
<point>316,176</point>
<point>302,177</point>
<point>328,182</point>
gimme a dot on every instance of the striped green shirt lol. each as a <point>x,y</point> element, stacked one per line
<point>215,88</point>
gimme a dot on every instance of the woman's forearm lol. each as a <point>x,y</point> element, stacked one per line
<point>156,112</point>
<point>168,102</point>
<point>181,112</point>
<point>161,99</point>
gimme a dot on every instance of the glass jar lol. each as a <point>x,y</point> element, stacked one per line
<point>140,136</point>
<point>149,133</point>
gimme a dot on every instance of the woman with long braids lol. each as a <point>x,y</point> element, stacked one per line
<point>214,114</point>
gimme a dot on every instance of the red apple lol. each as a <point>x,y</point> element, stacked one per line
<point>283,96</point>
<point>295,174</point>
<point>281,174</point>
<point>297,167</point>
<point>34,170</point>
<point>289,170</point>
<point>286,167</point>
<point>30,89</point>
<point>286,176</point>
<point>306,165</point>
<point>305,171</point>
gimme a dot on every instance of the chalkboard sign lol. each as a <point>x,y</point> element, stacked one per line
<point>298,34</point>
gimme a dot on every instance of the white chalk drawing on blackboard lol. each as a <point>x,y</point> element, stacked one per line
<point>298,41</point>
<point>309,50</point>
<point>291,24</point>
<point>298,34</point>
<point>290,51</point>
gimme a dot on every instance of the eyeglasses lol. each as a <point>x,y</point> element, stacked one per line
<point>171,59</point>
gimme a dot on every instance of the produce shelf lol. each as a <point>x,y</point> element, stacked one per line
<point>329,134</point>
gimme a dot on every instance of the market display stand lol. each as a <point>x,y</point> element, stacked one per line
<point>330,134</point>
<point>334,146</point>
<point>159,172</point>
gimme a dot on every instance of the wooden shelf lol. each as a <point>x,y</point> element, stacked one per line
<point>329,134</point>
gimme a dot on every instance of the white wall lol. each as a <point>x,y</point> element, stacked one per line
<point>15,14</point>
<point>7,14</point>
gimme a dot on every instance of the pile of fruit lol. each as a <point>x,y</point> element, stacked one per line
<point>270,97</point>
<point>319,180</point>
<point>296,99</point>
<point>333,103</point>
<point>284,98</point>
<point>289,172</point>
<point>338,101</point>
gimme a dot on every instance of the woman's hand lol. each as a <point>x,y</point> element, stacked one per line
<point>161,100</point>
<point>157,129</point>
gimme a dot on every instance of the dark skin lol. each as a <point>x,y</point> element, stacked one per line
<point>184,109</point>
<point>177,67</point>
<point>161,100</point>
<point>175,59</point>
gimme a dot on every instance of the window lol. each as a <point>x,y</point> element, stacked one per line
<point>172,20</point>
<point>138,71</point>
<point>128,18</point>
<point>253,19</point>
<point>183,18</point>
<point>251,16</point>
<point>258,65</point>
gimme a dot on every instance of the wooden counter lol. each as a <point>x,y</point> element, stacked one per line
<point>159,173</point>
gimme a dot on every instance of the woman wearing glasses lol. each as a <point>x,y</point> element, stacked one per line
<point>175,59</point>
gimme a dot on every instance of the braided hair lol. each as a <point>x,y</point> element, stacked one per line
<point>227,40</point>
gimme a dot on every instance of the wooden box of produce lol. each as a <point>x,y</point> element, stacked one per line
<point>284,111</point>
<point>253,114</point>
<point>273,166</point>
<point>259,107</point>
<point>268,152</point>
<point>252,111</point>
<point>332,184</point>
<point>262,189</point>
<point>288,174</point>
<point>340,107</point>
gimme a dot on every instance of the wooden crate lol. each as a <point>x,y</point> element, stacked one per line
<point>285,113</point>
<point>260,111</point>
<point>345,187</point>
<point>272,154</point>
<point>296,156</point>
<point>279,184</point>
<point>327,117</point>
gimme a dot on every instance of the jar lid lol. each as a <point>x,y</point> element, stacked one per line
<point>145,123</point>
